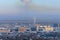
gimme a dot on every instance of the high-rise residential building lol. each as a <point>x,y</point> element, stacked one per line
<point>58,25</point>
<point>55,25</point>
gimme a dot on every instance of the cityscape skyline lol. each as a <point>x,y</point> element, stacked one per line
<point>29,19</point>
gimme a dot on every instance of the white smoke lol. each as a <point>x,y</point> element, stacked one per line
<point>26,2</point>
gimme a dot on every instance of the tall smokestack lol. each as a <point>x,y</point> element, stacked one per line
<point>34,20</point>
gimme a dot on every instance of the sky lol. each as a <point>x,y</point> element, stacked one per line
<point>10,6</point>
<point>51,3</point>
<point>42,9</point>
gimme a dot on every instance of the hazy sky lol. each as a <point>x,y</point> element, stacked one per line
<point>51,3</point>
<point>13,9</point>
<point>10,6</point>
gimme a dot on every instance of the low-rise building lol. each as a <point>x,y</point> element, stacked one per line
<point>56,29</point>
<point>22,29</point>
<point>4,30</point>
<point>49,29</point>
